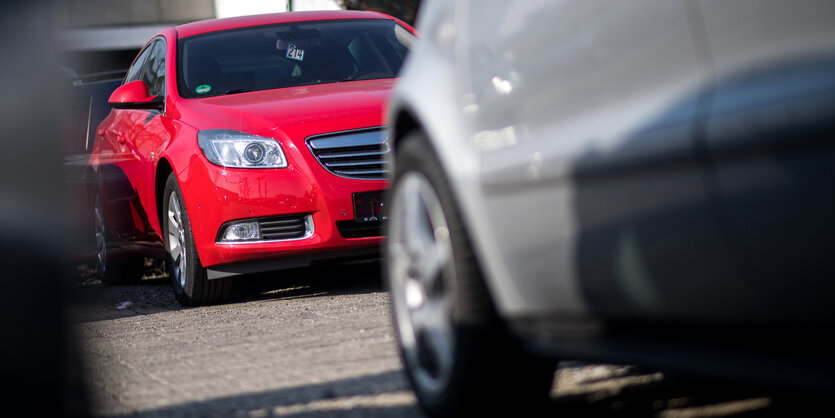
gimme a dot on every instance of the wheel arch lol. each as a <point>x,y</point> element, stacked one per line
<point>164,169</point>
<point>406,120</point>
<point>460,163</point>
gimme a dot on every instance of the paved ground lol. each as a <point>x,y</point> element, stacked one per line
<point>314,343</point>
<point>309,347</point>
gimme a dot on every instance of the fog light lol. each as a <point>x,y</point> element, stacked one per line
<point>242,231</point>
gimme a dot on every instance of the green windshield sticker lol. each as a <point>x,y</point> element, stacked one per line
<point>203,88</point>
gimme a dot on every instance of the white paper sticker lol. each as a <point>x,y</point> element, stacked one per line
<point>295,53</point>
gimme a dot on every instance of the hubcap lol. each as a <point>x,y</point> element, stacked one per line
<point>420,268</point>
<point>101,244</point>
<point>176,239</point>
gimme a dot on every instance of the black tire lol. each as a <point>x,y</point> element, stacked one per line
<point>114,267</point>
<point>188,279</point>
<point>490,372</point>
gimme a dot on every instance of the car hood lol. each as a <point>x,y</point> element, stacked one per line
<point>296,111</point>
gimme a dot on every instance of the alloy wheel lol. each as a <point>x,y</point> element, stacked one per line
<point>421,271</point>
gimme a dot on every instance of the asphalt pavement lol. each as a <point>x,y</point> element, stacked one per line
<point>318,343</point>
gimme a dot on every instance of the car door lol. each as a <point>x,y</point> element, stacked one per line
<point>771,139</point>
<point>135,135</point>
<point>583,113</point>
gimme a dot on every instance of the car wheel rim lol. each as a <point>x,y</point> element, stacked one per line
<point>101,244</point>
<point>176,239</point>
<point>421,267</point>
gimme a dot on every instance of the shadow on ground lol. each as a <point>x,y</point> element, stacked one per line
<point>599,391</point>
<point>92,301</point>
<point>379,395</point>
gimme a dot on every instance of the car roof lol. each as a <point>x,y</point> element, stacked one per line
<point>214,25</point>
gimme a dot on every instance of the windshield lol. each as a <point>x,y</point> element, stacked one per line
<point>290,54</point>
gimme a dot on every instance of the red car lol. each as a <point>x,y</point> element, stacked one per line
<point>247,144</point>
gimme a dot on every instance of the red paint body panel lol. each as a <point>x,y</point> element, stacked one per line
<point>133,144</point>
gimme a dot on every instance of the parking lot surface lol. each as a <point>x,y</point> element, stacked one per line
<point>319,343</point>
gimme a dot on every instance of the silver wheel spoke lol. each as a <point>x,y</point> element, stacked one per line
<point>176,238</point>
<point>175,252</point>
<point>431,264</point>
<point>432,317</point>
<point>431,323</point>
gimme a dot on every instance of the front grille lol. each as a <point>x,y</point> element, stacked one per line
<point>282,228</point>
<point>354,154</point>
<point>354,229</point>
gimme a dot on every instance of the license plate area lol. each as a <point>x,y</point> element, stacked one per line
<point>368,206</point>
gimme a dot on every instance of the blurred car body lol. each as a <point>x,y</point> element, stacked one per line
<point>247,144</point>
<point>648,183</point>
<point>85,106</point>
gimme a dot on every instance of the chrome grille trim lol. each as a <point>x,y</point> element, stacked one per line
<point>358,154</point>
<point>353,154</point>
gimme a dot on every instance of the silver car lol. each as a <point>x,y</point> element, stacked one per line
<point>649,182</point>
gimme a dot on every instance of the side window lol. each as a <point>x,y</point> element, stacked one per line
<point>135,70</point>
<point>154,73</point>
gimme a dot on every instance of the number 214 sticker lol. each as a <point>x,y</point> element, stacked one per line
<point>295,53</point>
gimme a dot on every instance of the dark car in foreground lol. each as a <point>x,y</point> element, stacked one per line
<point>649,183</point>
<point>85,106</point>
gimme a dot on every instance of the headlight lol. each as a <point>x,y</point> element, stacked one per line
<point>229,148</point>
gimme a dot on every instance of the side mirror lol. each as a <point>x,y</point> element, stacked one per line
<point>134,95</point>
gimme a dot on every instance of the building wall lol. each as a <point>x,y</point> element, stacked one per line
<point>85,13</point>
<point>228,8</point>
<point>105,35</point>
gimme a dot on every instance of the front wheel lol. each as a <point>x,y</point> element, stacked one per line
<point>188,276</point>
<point>458,355</point>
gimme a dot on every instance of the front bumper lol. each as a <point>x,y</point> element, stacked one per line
<point>216,195</point>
